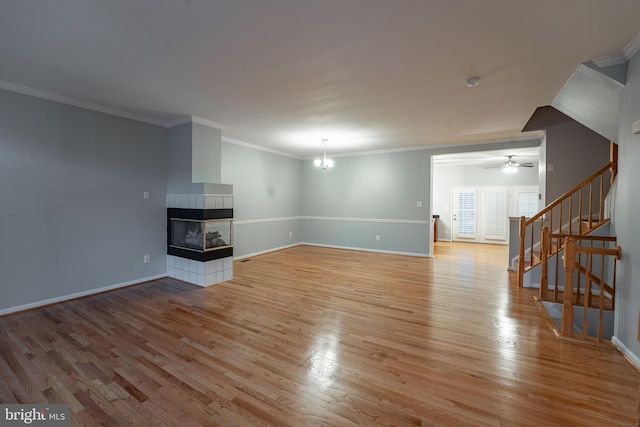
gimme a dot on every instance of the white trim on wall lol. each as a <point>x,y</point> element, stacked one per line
<point>607,61</point>
<point>264,220</point>
<point>68,297</point>
<point>266,251</point>
<point>258,147</point>
<point>78,103</point>
<point>378,220</point>
<point>193,119</point>
<point>632,47</point>
<point>632,358</point>
<point>331,218</point>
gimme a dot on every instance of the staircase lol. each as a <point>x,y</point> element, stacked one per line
<point>585,295</point>
<point>577,213</point>
<point>566,251</point>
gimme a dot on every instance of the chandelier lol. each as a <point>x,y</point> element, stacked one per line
<point>323,163</point>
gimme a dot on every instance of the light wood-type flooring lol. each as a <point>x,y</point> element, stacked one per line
<point>312,336</point>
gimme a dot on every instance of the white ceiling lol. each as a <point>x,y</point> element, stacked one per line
<point>489,157</point>
<point>283,74</point>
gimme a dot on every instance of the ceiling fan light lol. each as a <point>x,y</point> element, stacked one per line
<point>509,169</point>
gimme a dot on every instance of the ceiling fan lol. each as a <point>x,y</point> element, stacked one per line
<point>511,166</point>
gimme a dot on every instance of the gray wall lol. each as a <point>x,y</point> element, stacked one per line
<point>575,153</point>
<point>446,177</point>
<point>179,159</point>
<point>625,222</point>
<point>206,149</point>
<point>366,196</point>
<point>73,218</point>
<point>267,189</point>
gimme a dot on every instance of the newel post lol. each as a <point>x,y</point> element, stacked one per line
<point>544,275</point>
<point>523,234</point>
<point>569,265</point>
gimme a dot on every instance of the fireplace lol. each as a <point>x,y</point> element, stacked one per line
<point>200,238</point>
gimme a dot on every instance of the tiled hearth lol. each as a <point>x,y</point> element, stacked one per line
<point>200,273</point>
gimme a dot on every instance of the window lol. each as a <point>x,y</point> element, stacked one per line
<point>527,203</point>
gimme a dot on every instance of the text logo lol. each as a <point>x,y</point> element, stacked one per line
<point>35,415</point>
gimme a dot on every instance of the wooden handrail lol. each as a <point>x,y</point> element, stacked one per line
<point>592,238</point>
<point>598,281</point>
<point>602,251</point>
<point>566,195</point>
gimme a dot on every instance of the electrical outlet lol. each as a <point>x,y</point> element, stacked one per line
<point>147,259</point>
<point>146,195</point>
<point>378,238</point>
<point>419,204</point>
<point>291,234</point>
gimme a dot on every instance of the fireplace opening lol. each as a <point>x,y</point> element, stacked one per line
<point>200,235</point>
<point>200,239</point>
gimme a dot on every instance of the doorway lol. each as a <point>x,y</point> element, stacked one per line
<point>484,195</point>
<point>480,214</point>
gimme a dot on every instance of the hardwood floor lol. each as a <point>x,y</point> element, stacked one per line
<point>317,336</point>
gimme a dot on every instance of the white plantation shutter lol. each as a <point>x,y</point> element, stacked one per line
<point>495,214</point>
<point>467,214</point>
<point>527,204</point>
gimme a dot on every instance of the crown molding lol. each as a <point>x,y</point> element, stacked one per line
<point>177,122</point>
<point>525,136</point>
<point>206,122</point>
<point>632,47</point>
<point>77,103</point>
<point>607,61</point>
<point>621,57</point>
<point>259,148</point>
<point>193,119</point>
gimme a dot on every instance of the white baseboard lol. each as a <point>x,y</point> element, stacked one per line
<point>236,258</point>
<point>330,246</point>
<point>37,304</point>
<point>632,358</point>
